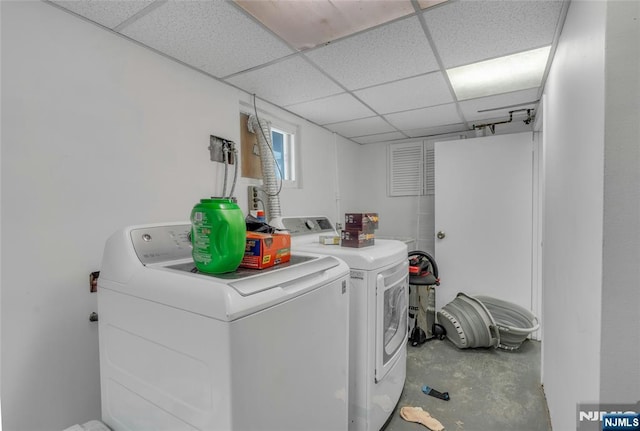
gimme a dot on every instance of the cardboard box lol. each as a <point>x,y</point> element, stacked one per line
<point>356,238</point>
<point>366,222</point>
<point>329,239</point>
<point>264,250</point>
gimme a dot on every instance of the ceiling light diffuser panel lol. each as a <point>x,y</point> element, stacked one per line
<point>500,75</point>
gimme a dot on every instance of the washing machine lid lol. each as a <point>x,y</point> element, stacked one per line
<point>153,262</point>
<point>248,281</point>
<point>381,254</point>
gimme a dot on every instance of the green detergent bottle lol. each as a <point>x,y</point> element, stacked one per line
<point>218,234</point>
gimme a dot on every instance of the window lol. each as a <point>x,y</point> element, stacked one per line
<point>283,152</point>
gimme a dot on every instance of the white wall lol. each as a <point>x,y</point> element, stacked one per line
<point>620,360</point>
<point>572,238</point>
<point>99,133</point>
<point>398,215</point>
<point>350,174</point>
<point>591,243</point>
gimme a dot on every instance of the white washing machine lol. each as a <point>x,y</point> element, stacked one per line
<point>378,318</point>
<point>248,350</point>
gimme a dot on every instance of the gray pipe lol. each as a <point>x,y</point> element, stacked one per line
<point>234,150</point>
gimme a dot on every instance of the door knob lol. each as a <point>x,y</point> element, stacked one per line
<point>441,235</point>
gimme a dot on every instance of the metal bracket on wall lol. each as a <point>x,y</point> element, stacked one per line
<point>492,126</point>
<point>221,149</point>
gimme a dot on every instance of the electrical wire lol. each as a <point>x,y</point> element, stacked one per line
<point>234,151</point>
<point>337,176</point>
<point>225,153</point>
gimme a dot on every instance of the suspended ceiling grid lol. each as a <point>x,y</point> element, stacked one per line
<point>384,83</point>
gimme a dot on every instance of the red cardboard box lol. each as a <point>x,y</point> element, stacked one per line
<point>356,238</point>
<point>264,250</point>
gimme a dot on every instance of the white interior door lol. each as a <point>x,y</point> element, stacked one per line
<point>483,207</point>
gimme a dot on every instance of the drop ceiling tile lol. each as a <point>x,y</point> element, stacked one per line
<point>306,24</point>
<point>388,53</point>
<point>332,109</point>
<point>107,13</point>
<point>424,4</point>
<point>212,36</point>
<point>425,117</point>
<point>437,130</point>
<point>381,137</point>
<point>469,31</point>
<point>418,92</point>
<point>287,82</point>
<point>361,127</point>
<point>508,102</point>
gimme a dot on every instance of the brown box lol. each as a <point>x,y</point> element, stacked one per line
<point>356,238</point>
<point>366,222</point>
<point>264,250</point>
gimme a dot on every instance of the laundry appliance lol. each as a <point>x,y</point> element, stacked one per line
<point>378,318</point>
<point>248,350</point>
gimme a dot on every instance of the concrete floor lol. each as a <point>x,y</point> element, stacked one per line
<point>490,390</point>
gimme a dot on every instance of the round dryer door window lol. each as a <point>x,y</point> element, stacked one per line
<point>392,317</point>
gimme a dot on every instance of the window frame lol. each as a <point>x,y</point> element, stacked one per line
<point>289,153</point>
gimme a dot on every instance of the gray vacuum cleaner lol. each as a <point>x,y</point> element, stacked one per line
<point>423,279</point>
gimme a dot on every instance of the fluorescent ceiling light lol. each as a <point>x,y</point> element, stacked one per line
<point>500,75</point>
<point>305,24</point>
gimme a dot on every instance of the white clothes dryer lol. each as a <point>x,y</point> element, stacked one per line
<point>248,350</point>
<point>378,318</point>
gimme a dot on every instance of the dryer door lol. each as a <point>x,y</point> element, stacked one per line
<point>392,298</point>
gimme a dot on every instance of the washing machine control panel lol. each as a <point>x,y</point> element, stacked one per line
<point>162,243</point>
<point>307,225</point>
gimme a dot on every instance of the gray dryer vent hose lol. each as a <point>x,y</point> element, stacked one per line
<point>262,130</point>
